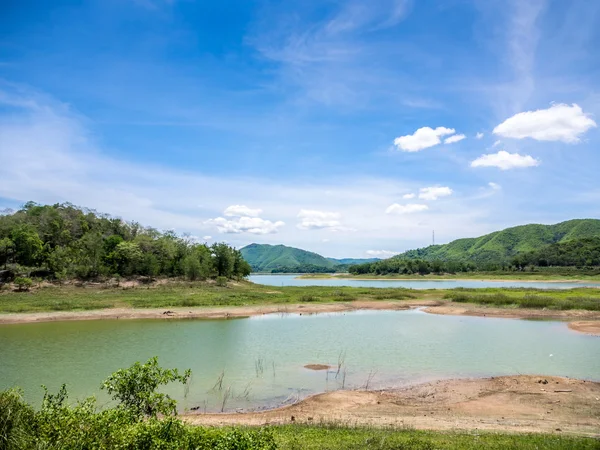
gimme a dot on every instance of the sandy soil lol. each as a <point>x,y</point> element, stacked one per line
<point>586,326</point>
<point>222,312</point>
<point>516,404</point>
<point>468,309</point>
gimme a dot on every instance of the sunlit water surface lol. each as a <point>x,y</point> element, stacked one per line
<point>263,357</point>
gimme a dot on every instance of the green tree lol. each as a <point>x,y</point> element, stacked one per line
<point>59,261</point>
<point>241,268</point>
<point>7,248</point>
<point>223,258</point>
<point>126,258</point>
<point>28,245</point>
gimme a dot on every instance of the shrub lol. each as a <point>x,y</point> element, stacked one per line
<point>132,424</point>
<point>135,388</point>
<point>221,281</point>
<point>16,420</point>
<point>309,298</point>
<point>23,283</point>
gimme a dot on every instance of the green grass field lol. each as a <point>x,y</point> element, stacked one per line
<point>185,294</point>
<point>296,437</point>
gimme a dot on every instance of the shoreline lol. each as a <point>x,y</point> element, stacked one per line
<point>582,321</point>
<point>442,278</point>
<point>517,403</point>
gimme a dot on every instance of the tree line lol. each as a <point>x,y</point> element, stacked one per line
<point>63,241</point>
<point>578,253</point>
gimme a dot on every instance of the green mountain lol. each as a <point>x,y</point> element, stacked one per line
<point>281,258</point>
<point>502,245</point>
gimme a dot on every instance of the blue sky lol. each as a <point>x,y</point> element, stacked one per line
<point>350,128</point>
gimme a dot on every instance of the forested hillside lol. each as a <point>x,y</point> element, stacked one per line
<point>63,241</point>
<point>499,246</point>
<point>575,243</point>
<point>280,258</point>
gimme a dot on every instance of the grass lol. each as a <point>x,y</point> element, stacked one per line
<point>292,437</point>
<point>180,294</point>
<point>581,298</point>
<point>186,294</point>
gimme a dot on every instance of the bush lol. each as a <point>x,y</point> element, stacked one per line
<point>132,424</point>
<point>16,420</point>
<point>221,281</point>
<point>23,283</point>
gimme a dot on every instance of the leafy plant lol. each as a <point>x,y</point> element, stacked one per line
<point>135,388</point>
<point>23,283</point>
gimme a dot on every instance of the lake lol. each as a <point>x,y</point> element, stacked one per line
<point>294,280</point>
<point>263,357</point>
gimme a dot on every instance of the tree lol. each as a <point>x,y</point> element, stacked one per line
<point>135,388</point>
<point>59,261</point>
<point>241,268</point>
<point>28,245</point>
<point>7,248</point>
<point>223,259</point>
<point>126,258</point>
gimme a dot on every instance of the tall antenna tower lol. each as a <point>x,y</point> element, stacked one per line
<point>433,237</point>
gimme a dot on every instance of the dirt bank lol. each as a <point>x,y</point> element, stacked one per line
<point>468,309</point>
<point>588,327</point>
<point>514,403</point>
<point>221,312</point>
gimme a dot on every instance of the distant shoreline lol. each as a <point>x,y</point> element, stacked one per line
<point>487,278</point>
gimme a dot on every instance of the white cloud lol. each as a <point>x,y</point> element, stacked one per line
<point>252,225</point>
<point>496,144</point>
<point>381,253</point>
<point>558,123</point>
<point>434,192</point>
<point>478,135</point>
<point>408,196</point>
<point>422,138</point>
<point>206,238</point>
<point>241,210</point>
<point>494,186</point>
<point>324,240</point>
<point>505,161</point>
<point>455,138</point>
<point>406,209</point>
<point>320,220</point>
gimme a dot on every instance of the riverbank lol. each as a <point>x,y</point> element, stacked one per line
<point>520,403</point>
<point>587,322</point>
<point>210,312</point>
<point>533,277</point>
<point>183,300</point>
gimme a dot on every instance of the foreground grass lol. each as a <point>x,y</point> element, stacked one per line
<point>294,437</point>
<point>185,294</point>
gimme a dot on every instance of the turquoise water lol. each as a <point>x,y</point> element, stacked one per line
<point>293,280</point>
<point>263,357</point>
